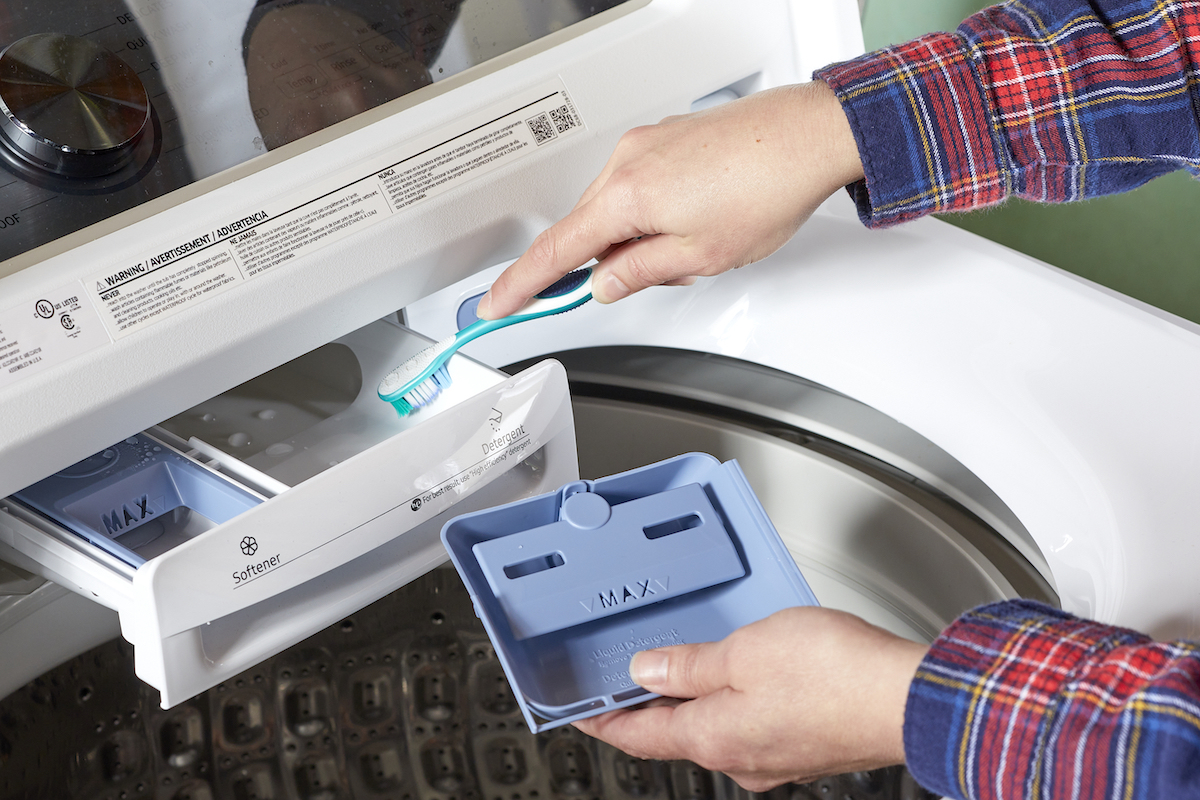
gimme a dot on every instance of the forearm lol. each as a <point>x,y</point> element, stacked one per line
<point>1040,99</point>
<point>1017,700</point>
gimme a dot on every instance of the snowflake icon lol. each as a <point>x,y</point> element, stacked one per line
<point>249,545</point>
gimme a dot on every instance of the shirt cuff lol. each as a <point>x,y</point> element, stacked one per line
<point>990,694</point>
<point>924,129</point>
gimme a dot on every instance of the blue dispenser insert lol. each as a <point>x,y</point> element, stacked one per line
<point>570,585</point>
<point>137,499</point>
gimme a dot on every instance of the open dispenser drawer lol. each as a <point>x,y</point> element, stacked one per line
<point>229,532</point>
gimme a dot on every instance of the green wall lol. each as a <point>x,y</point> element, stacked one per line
<point>1095,239</point>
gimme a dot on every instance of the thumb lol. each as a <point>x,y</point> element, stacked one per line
<point>684,671</point>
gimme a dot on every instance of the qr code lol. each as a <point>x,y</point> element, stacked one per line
<point>541,128</point>
<point>564,120</point>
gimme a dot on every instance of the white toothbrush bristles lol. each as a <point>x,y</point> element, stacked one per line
<point>422,393</point>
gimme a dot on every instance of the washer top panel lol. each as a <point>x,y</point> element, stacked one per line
<point>108,104</point>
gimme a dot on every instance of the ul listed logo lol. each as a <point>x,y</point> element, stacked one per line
<point>249,545</point>
<point>44,309</point>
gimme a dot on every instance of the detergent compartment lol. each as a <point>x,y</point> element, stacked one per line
<point>251,521</point>
<point>570,585</point>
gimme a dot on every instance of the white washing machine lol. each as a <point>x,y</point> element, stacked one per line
<point>931,421</point>
<point>1021,394</point>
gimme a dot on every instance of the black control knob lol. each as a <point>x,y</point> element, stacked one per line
<point>70,106</point>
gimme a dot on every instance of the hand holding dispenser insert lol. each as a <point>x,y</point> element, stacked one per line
<point>420,379</point>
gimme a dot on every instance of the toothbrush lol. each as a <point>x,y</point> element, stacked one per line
<point>420,379</point>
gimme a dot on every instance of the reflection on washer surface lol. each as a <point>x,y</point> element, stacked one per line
<point>214,85</point>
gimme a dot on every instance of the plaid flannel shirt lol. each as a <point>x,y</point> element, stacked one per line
<point>1019,700</point>
<point>1049,100</point>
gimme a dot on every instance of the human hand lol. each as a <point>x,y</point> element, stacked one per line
<point>805,693</point>
<point>694,195</point>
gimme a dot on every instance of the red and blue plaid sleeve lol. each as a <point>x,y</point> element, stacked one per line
<point>1019,700</point>
<point>1049,100</point>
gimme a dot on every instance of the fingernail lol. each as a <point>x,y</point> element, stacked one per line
<point>485,303</point>
<point>612,288</point>
<point>648,668</point>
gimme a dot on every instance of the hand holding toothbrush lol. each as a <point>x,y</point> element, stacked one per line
<point>415,383</point>
<point>694,195</point>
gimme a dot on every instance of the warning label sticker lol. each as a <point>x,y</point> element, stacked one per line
<point>46,331</point>
<point>206,263</point>
<point>135,303</point>
<point>437,170</point>
<point>278,241</point>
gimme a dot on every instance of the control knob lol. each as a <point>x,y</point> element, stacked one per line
<point>69,106</point>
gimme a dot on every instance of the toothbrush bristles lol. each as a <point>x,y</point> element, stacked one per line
<point>423,393</point>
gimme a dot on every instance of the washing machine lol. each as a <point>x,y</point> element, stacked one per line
<point>286,199</point>
<point>944,365</point>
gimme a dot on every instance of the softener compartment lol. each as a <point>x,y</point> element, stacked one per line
<point>137,500</point>
<point>571,584</point>
<point>241,526</point>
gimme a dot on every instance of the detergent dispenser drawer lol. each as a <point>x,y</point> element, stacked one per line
<point>243,525</point>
